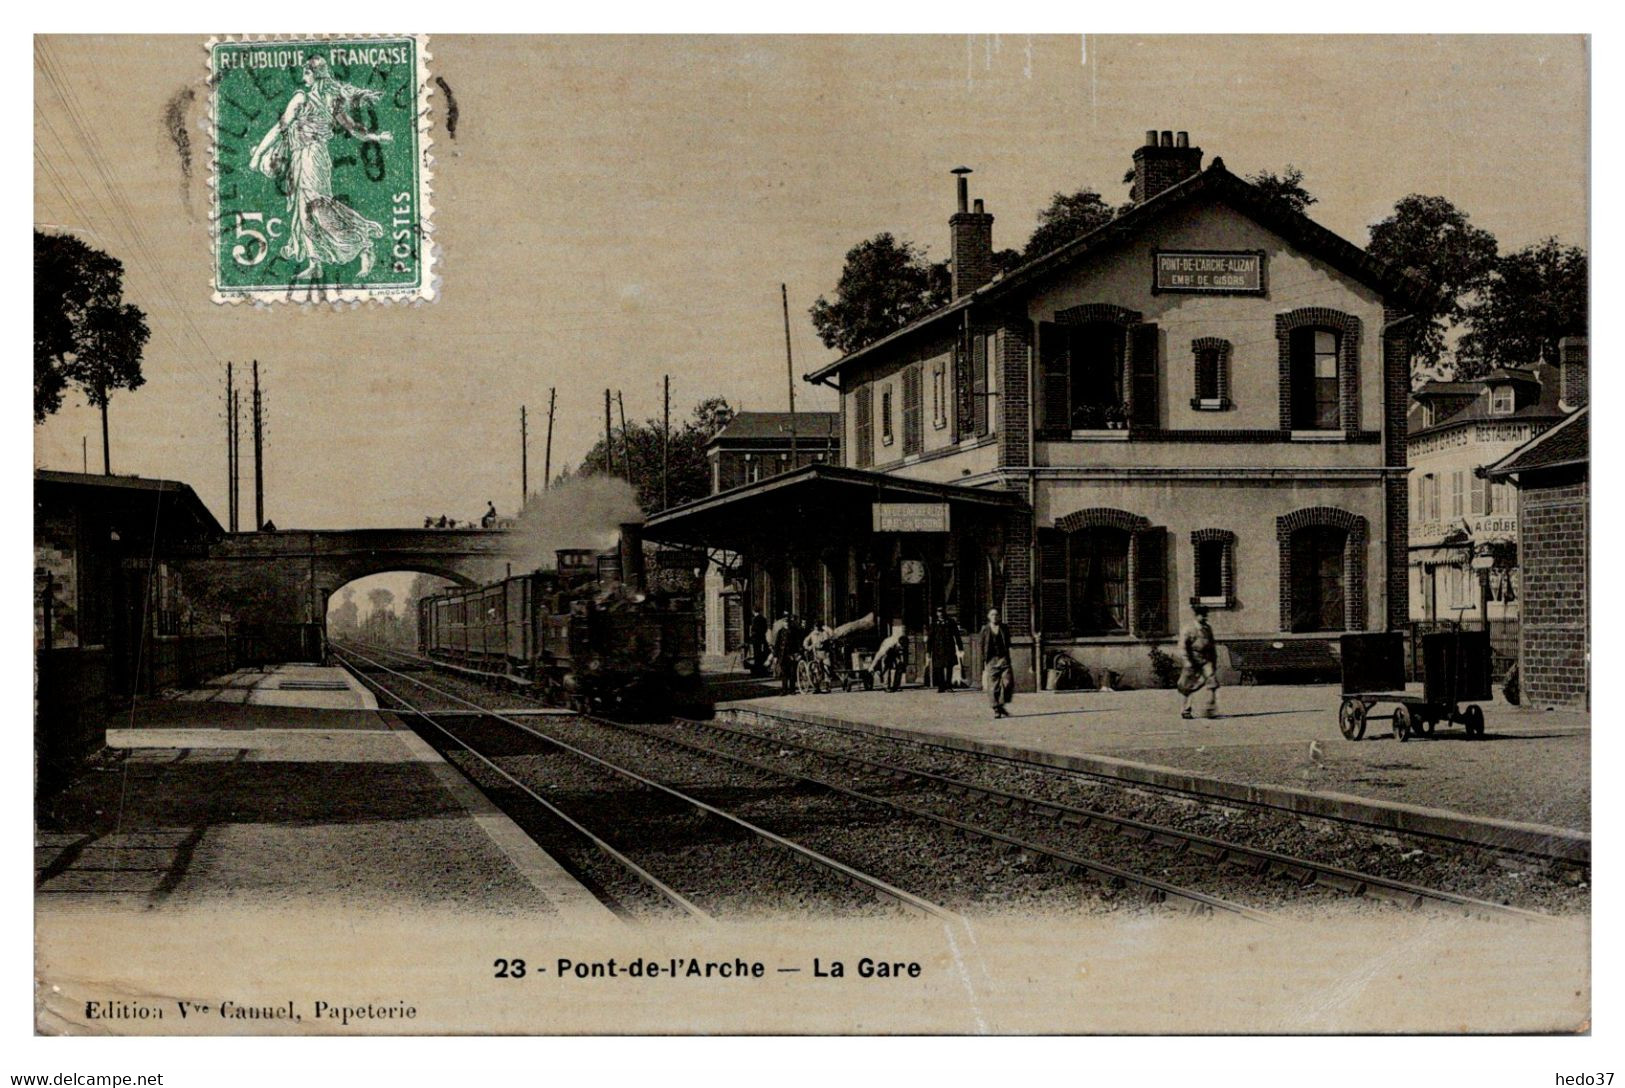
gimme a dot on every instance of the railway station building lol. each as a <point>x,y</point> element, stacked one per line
<point>1203,401</point>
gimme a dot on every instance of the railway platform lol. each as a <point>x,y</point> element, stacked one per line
<point>283,789</point>
<point>1526,782</point>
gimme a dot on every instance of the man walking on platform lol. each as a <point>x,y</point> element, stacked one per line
<point>1199,675</point>
<point>998,680</point>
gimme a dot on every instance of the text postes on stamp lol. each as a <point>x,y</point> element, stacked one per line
<point>320,169</point>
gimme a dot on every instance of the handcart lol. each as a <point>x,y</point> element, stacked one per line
<point>1455,670</point>
<point>851,653</point>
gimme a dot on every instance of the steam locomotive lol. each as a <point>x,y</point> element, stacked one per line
<point>590,634</point>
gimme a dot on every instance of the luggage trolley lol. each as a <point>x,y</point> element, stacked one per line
<point>1455,670</point>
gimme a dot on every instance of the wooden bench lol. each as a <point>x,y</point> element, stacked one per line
<point>1284,661</point>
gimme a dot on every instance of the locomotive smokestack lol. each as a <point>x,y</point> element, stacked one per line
<point>632,554</point>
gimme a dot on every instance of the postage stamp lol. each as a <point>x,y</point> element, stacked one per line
<point>320,169</point>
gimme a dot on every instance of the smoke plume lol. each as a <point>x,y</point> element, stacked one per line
<point>576,512</point>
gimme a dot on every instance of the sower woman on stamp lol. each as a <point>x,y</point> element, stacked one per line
<point>321,230</point>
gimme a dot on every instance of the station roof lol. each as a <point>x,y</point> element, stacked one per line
<point>775,426</point>
<point>823,500</point>
<point>1568,443</point>
<point>173,506</point>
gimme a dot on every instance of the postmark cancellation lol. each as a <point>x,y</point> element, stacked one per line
<point>320,169</point>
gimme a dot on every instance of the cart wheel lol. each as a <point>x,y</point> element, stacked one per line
<point>1473,719</point>
<point>1351,719</point>
<point>1402,722</point>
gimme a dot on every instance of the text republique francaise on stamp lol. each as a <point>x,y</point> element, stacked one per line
<point>320,169</point>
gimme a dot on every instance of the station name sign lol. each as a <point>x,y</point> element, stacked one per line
<point>911,517</point>
<point>1211,272</point>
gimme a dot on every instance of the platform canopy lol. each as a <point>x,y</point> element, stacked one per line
<point>818,503</point>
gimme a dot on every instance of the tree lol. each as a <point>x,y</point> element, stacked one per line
<point>1066,218</point>
<point>1430,236</point>
<point>638,450</point>
<point>1285,187</point>
<point>885,284</point>
<point>85,334</point>
<point>1532,298</point>
<point>343,620</point>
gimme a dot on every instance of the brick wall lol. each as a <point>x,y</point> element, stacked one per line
<point>1018,575</point>
<point>1396,378</point>
<point>1015,401</point>
<point>1552,524</point>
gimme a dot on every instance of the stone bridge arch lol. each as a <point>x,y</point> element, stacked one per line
<point>287,575</point>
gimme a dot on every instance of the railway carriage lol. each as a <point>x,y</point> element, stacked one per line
<point>581,633</point>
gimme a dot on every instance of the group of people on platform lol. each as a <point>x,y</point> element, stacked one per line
<point>777,647</point>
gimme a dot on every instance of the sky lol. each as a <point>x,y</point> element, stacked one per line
<point>612,210</point>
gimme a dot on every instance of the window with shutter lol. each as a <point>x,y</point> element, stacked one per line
<point>913,415</point>
<point>863,426</point>
<point>978,370</point>
<point>1054,607</point>
<point>1481,495</point>
<point>1144,364</point>
<point>964,399</point>
<point>1151,582</point>
<point>1055,373</point>
<point>887,435</point>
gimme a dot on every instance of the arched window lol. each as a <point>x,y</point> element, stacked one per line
<point>1103,572</point>
<point>1314,380</point>
<point>1322,555</point>
<point>1319,370</point>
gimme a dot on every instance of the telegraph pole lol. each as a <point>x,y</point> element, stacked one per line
<point>790,373</point>
<point>609,438</point>
<point>236,458</point>
<point>626,449</point>
<point>665,446</point>
<point>547,480</point>
<point>524,459</point>
<point>231,452</point>
<point>259,454</point>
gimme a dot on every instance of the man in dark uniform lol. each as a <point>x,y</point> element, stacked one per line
<point>758,642</point>
<point>785,645</point>
<point>942,640</point>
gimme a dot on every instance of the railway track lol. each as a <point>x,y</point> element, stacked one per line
<point>1045,832</point>
<point>654,803</point>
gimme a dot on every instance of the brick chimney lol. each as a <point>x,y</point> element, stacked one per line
<point>971,256</point>
<point>1574,382</point>
<point>1162,163</point>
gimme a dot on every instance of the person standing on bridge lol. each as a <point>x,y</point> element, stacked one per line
<point>490,517</point>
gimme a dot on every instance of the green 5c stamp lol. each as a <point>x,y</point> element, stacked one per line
<point>321,169</point>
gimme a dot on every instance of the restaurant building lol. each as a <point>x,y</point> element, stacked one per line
<point>1202,401</point>
<point>1464,525</point>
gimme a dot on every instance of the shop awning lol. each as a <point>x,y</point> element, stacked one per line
<point>1440,555</point>
<point>815,503</point>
